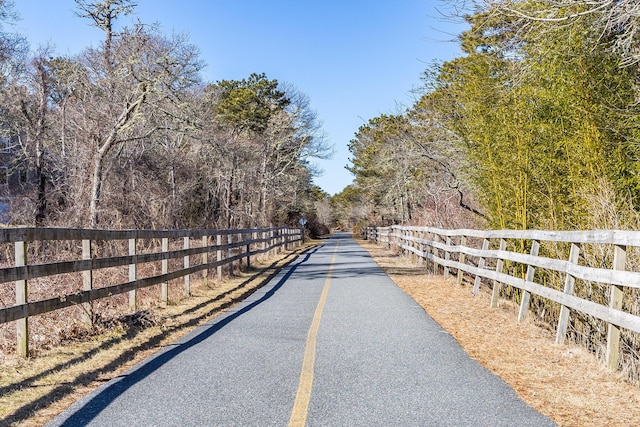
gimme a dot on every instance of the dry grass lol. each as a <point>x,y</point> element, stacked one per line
<point>564,382</point>
<point>34,391</point>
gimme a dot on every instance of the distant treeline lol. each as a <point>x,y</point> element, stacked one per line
<point>534,127</point>
<point>128,135</point>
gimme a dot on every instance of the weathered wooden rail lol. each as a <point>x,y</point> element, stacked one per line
<point>229,246</point>
<point>449,249</point>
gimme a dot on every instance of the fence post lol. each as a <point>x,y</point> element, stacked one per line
<point>255,247</point>
<point>394,237</point>
<point>271,250</point>
<point>250,236</point>
<point>219,256</point>
<point>205,260</point>
<point>164,286</point>
<point>569,282</point>
<point>230,253</point>
<point>531,271</point>
<point>461,256</point>
<point>481,262</point>
<point>428,251</point>
<point>435,253</point>
<point>495,293</point>
<point>87,282</point>
<point>286,238</point>
<point>187,264</point>
<point>276,241</point>
<point>613,331</point>
<point>281,240</point>
<point>240,252</point>
<point>22,325</point>
<point>133,273</point>
<point>417,246</point>
<point>388,237</point>
<point>447,256</point>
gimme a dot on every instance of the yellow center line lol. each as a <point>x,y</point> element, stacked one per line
<point>301,404</point>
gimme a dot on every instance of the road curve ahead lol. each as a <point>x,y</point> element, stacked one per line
<point>330,341</point>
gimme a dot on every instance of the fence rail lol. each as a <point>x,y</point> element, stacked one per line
<point>450,250</point>
<point>240,245</point>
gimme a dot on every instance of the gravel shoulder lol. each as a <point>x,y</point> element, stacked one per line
<point>564,382</point>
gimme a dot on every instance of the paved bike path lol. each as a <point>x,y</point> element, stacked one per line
<point>380,360</point>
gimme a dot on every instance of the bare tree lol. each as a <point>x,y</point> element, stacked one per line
<point>26,99</point>
<point>13,46</point>
<point>104,14</point>
<point>35,116</point>
<point>139,72</point>
<point>616,21</point>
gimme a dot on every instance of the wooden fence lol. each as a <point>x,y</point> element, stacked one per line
<point>238,245</point>
<point>450,250</point>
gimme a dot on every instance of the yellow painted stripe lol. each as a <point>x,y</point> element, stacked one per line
<point>301,404</point>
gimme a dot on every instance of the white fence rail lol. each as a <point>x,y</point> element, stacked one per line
<point>449,250</point>
<point>197,246</point>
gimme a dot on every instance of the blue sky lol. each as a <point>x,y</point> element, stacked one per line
<point>355,59</point>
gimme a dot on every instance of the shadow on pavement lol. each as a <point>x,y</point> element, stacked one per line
<point>103,398</point>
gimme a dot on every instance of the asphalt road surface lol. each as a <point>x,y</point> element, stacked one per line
<point>330,341</point>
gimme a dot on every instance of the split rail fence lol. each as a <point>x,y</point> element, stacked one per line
<point>470,252</point>
<point>227,246</point>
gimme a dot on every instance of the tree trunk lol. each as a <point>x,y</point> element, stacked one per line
<point>230,203</point>
<point>41,204</point>
<point>96,188</point>
<point>263,216</point>
<point>409,206</point>
<point>126,117</point>
<point>41,200</point>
